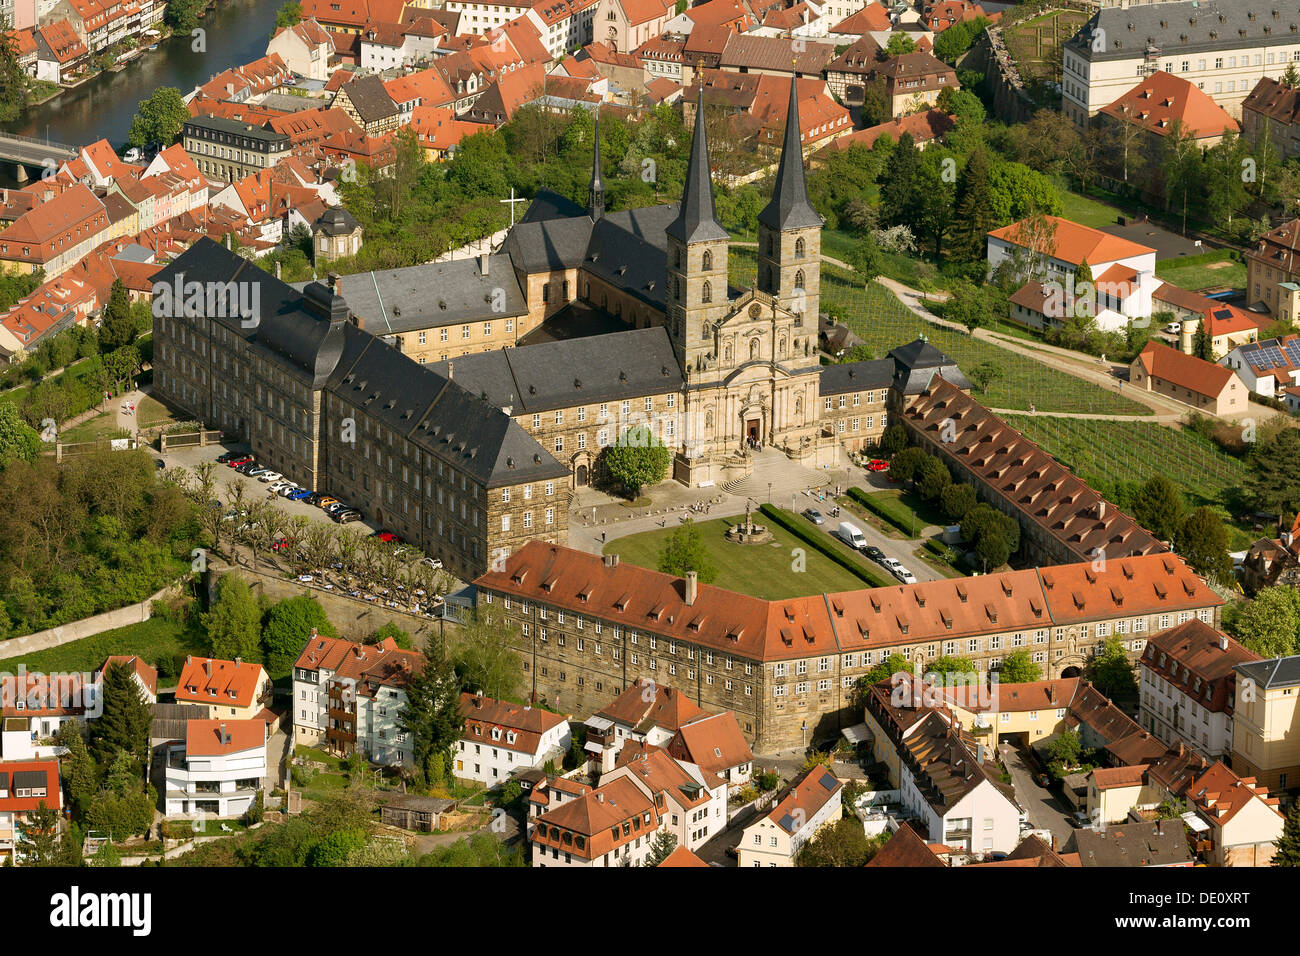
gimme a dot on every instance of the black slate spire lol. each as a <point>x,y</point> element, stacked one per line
<point>596,196</point>
<point>697,221</point>
<point>789,207</point>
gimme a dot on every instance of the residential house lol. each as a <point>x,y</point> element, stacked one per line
<point>1187,680</point>
<point>305,48</point>
<point>1271,561</point>
<point>613,825</point>
<point>1244,821</point>
<point>912,82</point>
<point>623,25</point>
<point>25,785</point>
<point>217,770</point>
<point>715,744</point>
<point>1270,118</point>
<point>501,739</point>
<point>1273,272</point>
<point>646,712</point>
<point>1269,367</point>
<point>367,102</point>
<point>1265,742</point>
<point>1226,325</point>
<point>690,801</point>
<point>232,690</point>
<point>56,233</point>
<point>1161,844</point>
<point>1207,387</point>
<point>775,839</point>
<point>144,676</point>
<point>225,150</point>
<point>60,53</point>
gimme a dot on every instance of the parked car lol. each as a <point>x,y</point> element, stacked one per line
<point>277,486</point>
<point>256,470</point>
<point>877,464</point>
<point>904,575</point>
<point>874,553</point>
<point>270,476</point>
<point>336,506</point>
<point>1044,780</point>
<point>435,563</point>
<point>851,535</point>
<point>1079,819</point>
<point>245,467</point>
<point>159,463</point>
<point>299,494</point>
<point>343,517</point>
<point>387,537</point>
<point>288,489</point>
<point>239,460</point>
<point>1173,328</point>
<point>227,457</point>
<point>324,501</point>
<point>813,515</point>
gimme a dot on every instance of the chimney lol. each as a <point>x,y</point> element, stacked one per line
<point>238,661</point>
<point>692,586</point>
<point>207,667</point>
<point>450,371</point>
<point>600,797</point>
<point>277,268</point>
<point>483,262</point>
<point>611,561</point>
<point>1223,642</point>
<point>225,738</point>
<point>1101,509</point>
<point>333,281</point>
<point>980,754</point>
<point>313,632</point>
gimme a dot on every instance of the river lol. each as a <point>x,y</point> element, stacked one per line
<point>236,32</point>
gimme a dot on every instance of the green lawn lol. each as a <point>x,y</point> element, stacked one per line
<point>762,570</point>
<point>101,426</point>
<point>1088,211</point>
<point>1107,452</point>
<point>1204,272</point>
<point>884,323</point>
<point>905,510</point>
<point>153,640</point>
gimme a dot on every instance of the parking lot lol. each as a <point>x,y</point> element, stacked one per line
<point>901,551</point>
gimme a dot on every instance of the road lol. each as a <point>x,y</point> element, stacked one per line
<point>1042,806</point>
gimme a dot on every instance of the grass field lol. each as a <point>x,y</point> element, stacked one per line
<point>762,570</point>
<point>1088,211</point>
<point>905,510</point>
<point>1204,272</point>
<point>1134,452</point>
<point>152,640</point>
<point>103,425</point>
<point>884,323</point>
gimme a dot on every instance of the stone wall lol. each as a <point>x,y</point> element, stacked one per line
<point>86,627</point>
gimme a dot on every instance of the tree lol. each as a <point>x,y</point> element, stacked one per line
<point>950,664</point>
<point>1202,344</point>
<point>183,15</point>
<point>1158,507</point>
<point>637,460</point>
<point>18,440</point>
<point>40,833</point>
<point>1203,543</point>
<point>118,326</point>
<point>13,82</point>
<point>866,259</point>
<point>1269,623</point>
<point>993,535</point>
<point>1064,754</point>
<point>235,621</point>
<point>289,15</point>
<point>123,727</point>
<point>432,714</point>
<point>484,654</point>
<point>390,629</point>
<point>77,768</point>
<point>932,478</point>
<point>1018,667</point>
<point>841,844</point>
<point>972,306</point>
<point>106,855</point>
<point>1273,482</point>
<point>885,670</point>
<point>984,374</point>
<point>159,119</point>
<point>896,186</point>
<point>289,625</point>
<point>1181,165</point>
<point>893,440</point>
<point>974,211</point>
<point>335,849</point>
<point>1291,78</point>
<point>1288,844</point>
<point>685,551</point>
<point>899,44</point>
<point>956,500</point>
<point>1111,671</point>
<point>661,847</point>
<point>905,465</point>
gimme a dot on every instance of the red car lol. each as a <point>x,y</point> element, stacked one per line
<point>241,460</point>
<point>388,537</point>
<point>877,464</point>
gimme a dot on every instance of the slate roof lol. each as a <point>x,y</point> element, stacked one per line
<point>856,376</point>
<point>1278,672</point>
<point>697,221</point>
<point>448,422</point>
<point>302,330</point>
<point>551,375</point>
<point>336,221</point>
<point>789,207</point>
<point>433,294</point>
<point>548,204</point>
<point>370,98</point>
<point>916,364</point>
<point>1207,25</point>
<point>1134,844</point>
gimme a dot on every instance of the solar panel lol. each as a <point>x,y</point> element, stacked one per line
<point>1292,350</point>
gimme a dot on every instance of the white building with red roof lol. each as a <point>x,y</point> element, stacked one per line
<point>646,713</point>
<point>305,48</point>
<point>716,744</point>
<point>775,839</point>
<point>145,677</point>
<point>217,769</point>
<point>233,690</point>
<point>501,739</point>
<point>24,786</point>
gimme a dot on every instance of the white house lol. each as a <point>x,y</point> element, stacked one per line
<point>814,800</point>
<point>1188,687</point>
<point>646,713</point>
<point>948,782</point>
<point>716,744</point>
<point>217,769</point>
<point>1269,367</point>
<point>501,738</point>
<point>144,676</point>
<point>24,786</point>
<point>1124,272</point>
<point>691,803</point>
<point>364,687</point>
<point>305,48</point>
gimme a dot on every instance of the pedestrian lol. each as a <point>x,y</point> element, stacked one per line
<point>602,537</point>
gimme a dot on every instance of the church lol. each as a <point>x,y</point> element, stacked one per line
<point>580,294</point>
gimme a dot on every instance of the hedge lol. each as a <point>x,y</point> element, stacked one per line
<point>899,523</point>
<point>822,545</point>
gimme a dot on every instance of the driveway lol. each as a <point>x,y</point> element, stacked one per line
<point>1042,806</point>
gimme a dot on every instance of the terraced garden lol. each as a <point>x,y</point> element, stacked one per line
<point>1117,452</point>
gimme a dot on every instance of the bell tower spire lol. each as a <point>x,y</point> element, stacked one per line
<point>596,195</point>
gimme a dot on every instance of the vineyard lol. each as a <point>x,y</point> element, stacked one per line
<point>1110,453</point>
<point>885,323</point>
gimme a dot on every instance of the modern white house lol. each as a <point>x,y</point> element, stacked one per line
<point>949,783</point>
<point>1269,367</point>
<point>1123,272</point>
<point>814,800</point>
<point>502,738</point>
<point>351,696</point>
<point>217,769</point>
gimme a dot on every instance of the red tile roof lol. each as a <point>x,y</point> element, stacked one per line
<point>12,803</point>
<point>1161,100</point>
<point>207,680</point>
<point>712,743</point>
<point>873,18</point>
<point>1174,366</point>
<point>148,675</point>
<point>1075,242</point>
<point>521,727</point>
<point>217,738</point>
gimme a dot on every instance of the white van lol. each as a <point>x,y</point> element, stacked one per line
<point>851,535</point>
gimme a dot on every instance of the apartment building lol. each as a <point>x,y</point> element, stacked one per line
<point>226,150</point>
<point>614,825</point>
<point>690,801</point>
<point>63,227</point>
<point>1273,271</point>
<point>1265,744</point>
<point>1224,47</point>
<point>217,770</point>
<point>646,713</point>
<point>813,801</point>
<point>501,739</point>
<point>788,668</point>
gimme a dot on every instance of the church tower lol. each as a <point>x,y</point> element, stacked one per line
<point>697,259</point>
<point>596,195</point>
<point>789,232</point>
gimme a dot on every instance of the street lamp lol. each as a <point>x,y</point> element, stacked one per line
<point>769,492</point>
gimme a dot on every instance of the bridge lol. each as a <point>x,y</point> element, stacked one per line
<point>25,151</point>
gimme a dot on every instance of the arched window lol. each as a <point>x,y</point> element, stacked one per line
<point>753,350</point>
<point>783,346</point>
<point>705,331</point>
<point>706,294</point>
<point>708,261</point>
<point>708,418</point>
<point>799,247</point>
<point>798,280</point>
